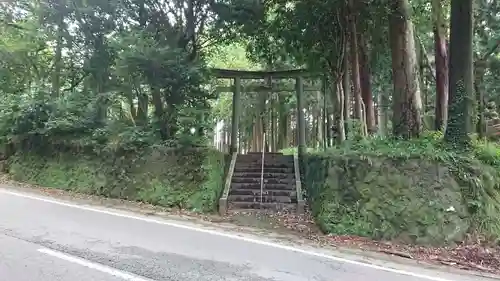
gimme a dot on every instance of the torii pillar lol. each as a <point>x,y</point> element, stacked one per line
<point>301,124</point>
<point>236,115</point>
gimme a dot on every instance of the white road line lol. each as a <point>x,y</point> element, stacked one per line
<point>94,266</point>
<point>227,235</point>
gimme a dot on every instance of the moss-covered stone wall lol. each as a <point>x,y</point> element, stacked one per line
<point>415,192</point>
<point>189,178</point>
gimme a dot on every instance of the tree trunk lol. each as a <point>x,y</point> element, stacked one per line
<point>481,124</point>
<point>354,59</point>
<point>100,76</point>
<point>441,58</point>
<point>346,89</point>
<point>142,108</point>
<point>366,85</point>
<point>254,138</point>
<point>170,120</point>
<point>320,121</point>
<point>292,133</point>
<point>384,112</point>
<point>282,123</point>
<point>224,138</point>
<point>56,74</point>
<point>479,70</point>
<point>272,118</point>
<point>260,129</point>
<point>133,109</point>
<point>460,76</point>
<point>159,113</point>
<point>338,105</point>
<point>228,135</point>
<point>326,127</point>
<point>423,88</point>
<point>407,103</point>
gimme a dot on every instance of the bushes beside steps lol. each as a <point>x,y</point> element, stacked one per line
<point>412,191</point>
<point>170,177</point>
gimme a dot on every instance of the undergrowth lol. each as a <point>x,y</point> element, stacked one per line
<point>187,178</point>
<point>418,191</point>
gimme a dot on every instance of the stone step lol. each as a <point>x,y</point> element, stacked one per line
<point>290,180</point>
<point>258,211</point>
<point>238,169</point>
<point>266,158</point>
<point>271,192</point>
<point>270,155</point>
<point>260,153</point>
<point>268,187</point>
<point>259,161</point>
<point>266,175</point>
<point>242,165</point>
<point>267,206</point>
<point>265,199</point>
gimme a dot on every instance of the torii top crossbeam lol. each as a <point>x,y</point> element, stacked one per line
<point>246,74</point>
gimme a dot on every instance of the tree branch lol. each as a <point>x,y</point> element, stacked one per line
<point>492,50</point>
<point>426,58</point>
<point>76,83</point>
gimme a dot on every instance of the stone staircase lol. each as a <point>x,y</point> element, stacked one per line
<point>279,190</point>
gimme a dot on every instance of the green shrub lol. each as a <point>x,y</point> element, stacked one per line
<point>189,178</point>
<point>416,191</point>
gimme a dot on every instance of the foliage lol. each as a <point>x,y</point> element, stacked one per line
<point>117,63</point>
<point>417,191</point>
<point>170,177</point>
<point>303,32</point>
<point>92,91</point>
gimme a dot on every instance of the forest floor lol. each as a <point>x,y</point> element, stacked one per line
<point>472,256</point>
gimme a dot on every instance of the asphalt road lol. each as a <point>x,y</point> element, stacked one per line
<point>44,239</point>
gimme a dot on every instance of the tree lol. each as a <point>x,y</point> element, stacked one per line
<point>359,110</point>
<point>407,104</point>
<point>461,74</point>
<point>441,60</point>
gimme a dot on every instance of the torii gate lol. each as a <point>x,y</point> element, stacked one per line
<point>236,89</point>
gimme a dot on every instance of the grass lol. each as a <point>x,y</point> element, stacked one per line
<point>393,189</point>
<point>188,180</point>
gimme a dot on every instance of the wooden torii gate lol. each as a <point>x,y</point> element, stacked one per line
<point>236,89</point>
